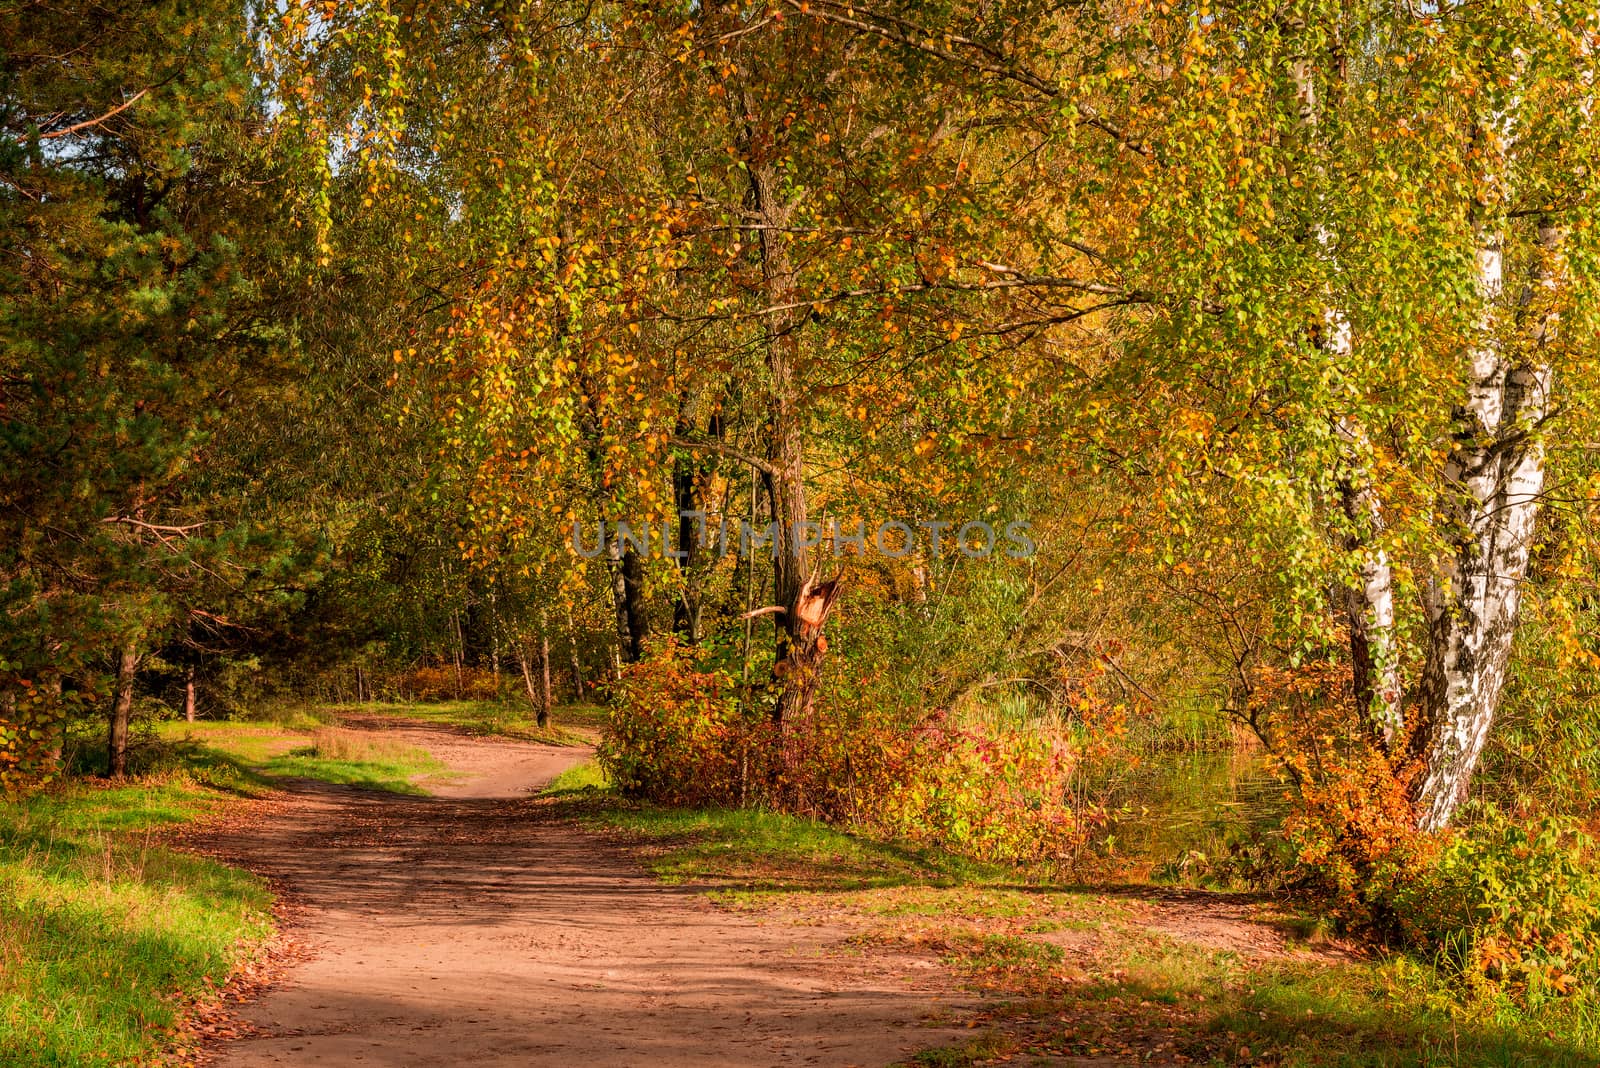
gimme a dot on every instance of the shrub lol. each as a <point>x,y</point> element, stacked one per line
<point>679,734</point>
<point>998,795</point>
<point>441,682</point>
<point>1353,832</point>
<point>33,718</point>
<point>1512,907</point>
<point>676,734</point>
<point>1509,908</point>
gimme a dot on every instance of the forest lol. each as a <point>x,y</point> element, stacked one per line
<point>1099,496</point>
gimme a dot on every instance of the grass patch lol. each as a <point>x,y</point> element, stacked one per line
<point>772,852</point>
<point>357,758</point>
<point>247,743</point>
<point>569,724</point>
<point>1077,971</point>
<point>1147,997</point>
<point>294,717</point>
<point>327,754</point>
<point>104,932</point>
<point>1221,1009</point>
<point>580,779</point>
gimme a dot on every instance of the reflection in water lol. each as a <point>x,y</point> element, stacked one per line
<point>1175,805</point>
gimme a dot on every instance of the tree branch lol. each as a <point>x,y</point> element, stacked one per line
<point>995,62</point>
<point>729,451</point>
<point>75,127</point>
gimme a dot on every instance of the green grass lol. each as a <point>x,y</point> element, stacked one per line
<point>104,932</point>
<point>773,852</point>
<point>580,779</point>
<point>358,758</point>
<point>1132,993</point>
<point>1384,1013</point>
<point>1077,971</point>
<point>1135,995</point>
<point>569,724</point>
<point>328,754</point>
<point>293,716</point>
<point>247,743</point>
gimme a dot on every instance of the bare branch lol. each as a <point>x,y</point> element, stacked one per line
<point>75,127</point>
<point>729,451</point>
<point>154,528</point>
<point>988,60</point>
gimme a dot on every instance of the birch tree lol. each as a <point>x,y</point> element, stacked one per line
<point>1307,214</point>
<point>1531,106</point>
<point>1263,250</point>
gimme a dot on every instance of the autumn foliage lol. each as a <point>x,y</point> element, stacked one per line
<point>30,734</point>
<point>1352,825</point>
<point>1507,902</point>
<point>679,733</point>
<point>444,682</point>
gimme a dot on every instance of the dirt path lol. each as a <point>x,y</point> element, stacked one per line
<point>472,929</point>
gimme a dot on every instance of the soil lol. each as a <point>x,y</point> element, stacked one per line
<point>475,928</point>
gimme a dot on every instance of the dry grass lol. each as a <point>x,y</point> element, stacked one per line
<point>339,743</point>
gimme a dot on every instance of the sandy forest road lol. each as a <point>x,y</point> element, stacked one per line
<point>473,929</point>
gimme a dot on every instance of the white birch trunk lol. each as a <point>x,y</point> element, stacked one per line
<point>1369,608</point>
<point>1369,602</point>
<point>1496,474</point>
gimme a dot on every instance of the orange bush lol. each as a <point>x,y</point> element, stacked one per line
<point>995,795</point>
<point>438,682</point>
<point>1352,825</point>
<point>678,734</point>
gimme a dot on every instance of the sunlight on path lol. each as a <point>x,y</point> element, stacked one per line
<point>472,929</point>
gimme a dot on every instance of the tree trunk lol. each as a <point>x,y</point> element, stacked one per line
<point>577,663</point>
<point>1495,474</point>
<point>188,694</point>
<point>688,476</point>
<point>749,573</point>
<point>634,607</point>
<point>627,599</point>
<point>1369,601</point>
<point>545,701</point>
<point>121,712</point>
<point>455,621</point>
<point>526,668</point>
<point>494,638</point>
<point>686,608</point>
<point>1369,604</point>
<point>619,597</point>
<point>801,649</point>
<point>53,688</point>
<point>800,646</point>
<point>626,571</point>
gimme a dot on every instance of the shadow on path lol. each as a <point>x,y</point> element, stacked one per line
<point>482,931</point>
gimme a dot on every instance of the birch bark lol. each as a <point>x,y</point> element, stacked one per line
<point>1369,602</point>
<point>1495,475</point>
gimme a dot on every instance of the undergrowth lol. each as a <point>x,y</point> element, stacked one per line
<point>568,724</point>
<point>1078,971</point>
